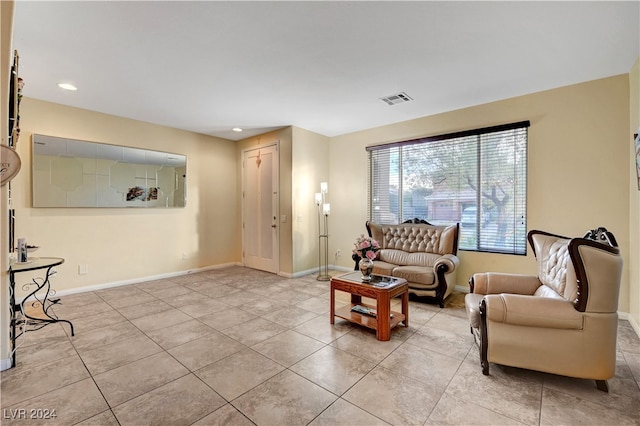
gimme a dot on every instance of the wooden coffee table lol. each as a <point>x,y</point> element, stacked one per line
<point>382,289</point>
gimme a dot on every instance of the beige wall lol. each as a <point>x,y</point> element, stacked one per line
<point>634,201</point>
<point>578,167</point>
<point>310,167</point>
<point>128,244</point>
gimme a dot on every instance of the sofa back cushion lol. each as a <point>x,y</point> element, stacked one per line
<point>401,257</point>
<point>415,237</point>
<point>555,269</point>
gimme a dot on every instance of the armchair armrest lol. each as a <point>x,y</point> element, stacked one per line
<point>532,311</point>
<point>496,283</point>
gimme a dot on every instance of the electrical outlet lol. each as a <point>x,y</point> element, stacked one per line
<point>83,269</point>
<point>338,253</point>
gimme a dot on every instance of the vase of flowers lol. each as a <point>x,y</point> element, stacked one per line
<point>366,248</point>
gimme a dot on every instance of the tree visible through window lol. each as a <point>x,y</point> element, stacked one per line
<point>477,178</point>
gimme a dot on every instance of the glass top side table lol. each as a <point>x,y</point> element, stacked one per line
<point>22,319</point>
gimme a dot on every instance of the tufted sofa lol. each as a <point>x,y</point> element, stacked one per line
<point>423,254</point>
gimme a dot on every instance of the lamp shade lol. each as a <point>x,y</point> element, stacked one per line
<point>326,209</point>
<point>324,187</point>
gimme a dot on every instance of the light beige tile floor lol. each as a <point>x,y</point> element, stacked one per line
<point>237,346</point>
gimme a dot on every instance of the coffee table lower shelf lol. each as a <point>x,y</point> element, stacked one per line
<point>367,320</point>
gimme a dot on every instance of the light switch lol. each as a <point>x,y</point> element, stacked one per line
<point>283,218</point>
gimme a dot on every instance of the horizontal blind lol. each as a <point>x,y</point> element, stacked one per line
<point>476,178</point>
<point>384,185</point>
<point>503,186</point>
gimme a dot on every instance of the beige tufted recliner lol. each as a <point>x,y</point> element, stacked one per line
<point>562,321</point>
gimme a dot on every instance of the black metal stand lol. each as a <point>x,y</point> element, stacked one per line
<point>21,321</point>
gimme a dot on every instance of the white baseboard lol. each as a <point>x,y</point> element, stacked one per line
<point>314,271</point>
<point>177,274</point>
<point>296,274</point>
<point>462,288</point>
<point>137,280</point>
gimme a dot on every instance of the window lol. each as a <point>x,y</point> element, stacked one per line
<point>477,178</point>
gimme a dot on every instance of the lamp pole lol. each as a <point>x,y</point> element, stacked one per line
<point>323,233</point>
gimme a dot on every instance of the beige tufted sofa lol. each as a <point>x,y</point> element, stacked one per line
<point>423,254</point>
<point>562,321</point>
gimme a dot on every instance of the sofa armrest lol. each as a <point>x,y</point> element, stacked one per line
<point>445,266</point>
<point>448,263</point>
<point>496,283</point>
<point>532,311</point>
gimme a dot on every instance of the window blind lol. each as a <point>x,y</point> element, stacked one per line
<point>477,178</point>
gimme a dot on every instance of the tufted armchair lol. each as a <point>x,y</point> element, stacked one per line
<point>423,254</point>
<point>562,321</point>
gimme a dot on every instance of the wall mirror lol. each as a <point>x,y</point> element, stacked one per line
<point>76,173</point>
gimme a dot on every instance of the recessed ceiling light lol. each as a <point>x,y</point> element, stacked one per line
<point>237,129</point>
<point>67,86</point>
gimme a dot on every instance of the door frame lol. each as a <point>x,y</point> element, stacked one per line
<point>276,144</point>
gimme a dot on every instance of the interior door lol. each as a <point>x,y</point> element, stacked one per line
<point>260,208</point>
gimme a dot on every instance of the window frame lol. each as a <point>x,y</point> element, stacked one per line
<point>518,247</point>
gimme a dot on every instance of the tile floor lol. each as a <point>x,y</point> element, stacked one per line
<point>236,346</point>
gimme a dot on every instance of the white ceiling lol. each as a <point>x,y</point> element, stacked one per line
<point>210,66</point>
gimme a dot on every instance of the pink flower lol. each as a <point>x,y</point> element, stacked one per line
<point>366,247</point>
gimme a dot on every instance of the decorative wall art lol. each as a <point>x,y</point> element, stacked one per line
<point>140,193</point>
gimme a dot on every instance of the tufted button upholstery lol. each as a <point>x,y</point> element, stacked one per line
<point>423,254</point>
<point>554,264</point>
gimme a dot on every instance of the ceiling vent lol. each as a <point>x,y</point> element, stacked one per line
<point>398,98</point>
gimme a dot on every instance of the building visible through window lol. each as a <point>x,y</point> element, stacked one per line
<point>477,178</point>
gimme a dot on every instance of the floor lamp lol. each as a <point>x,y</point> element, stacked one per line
<point>323,232</point>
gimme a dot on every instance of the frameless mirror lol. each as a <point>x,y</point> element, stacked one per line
<point>75,173</point>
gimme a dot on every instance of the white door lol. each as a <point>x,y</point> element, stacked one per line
<point>260,208</point>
